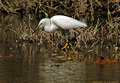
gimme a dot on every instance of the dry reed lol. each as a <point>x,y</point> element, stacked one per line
<point>104,32</point>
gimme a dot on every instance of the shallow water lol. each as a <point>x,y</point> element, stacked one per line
<point>24,64</point>
<point>29,63</point>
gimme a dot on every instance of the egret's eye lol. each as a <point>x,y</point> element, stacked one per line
<point>40,24</point>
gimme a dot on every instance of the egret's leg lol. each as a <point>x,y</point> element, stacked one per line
<point>65,46</point>
<point>66,39</point>
<point>73,39</point>
<point>67,42</point>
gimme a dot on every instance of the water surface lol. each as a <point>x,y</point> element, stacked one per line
<point>25,65</point>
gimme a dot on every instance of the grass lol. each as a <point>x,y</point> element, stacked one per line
<point>102,18</point>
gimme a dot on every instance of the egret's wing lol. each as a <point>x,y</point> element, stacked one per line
<point>65,22</point>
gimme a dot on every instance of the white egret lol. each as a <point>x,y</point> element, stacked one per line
<point>59,22</point>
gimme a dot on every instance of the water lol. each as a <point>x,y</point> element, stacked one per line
<point>26,63</point>
<point>29,63</point>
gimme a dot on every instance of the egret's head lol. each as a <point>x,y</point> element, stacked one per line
<point>41,24</point>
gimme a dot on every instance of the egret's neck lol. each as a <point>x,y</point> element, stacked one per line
<point>47,25</point>
<point>50,26</point>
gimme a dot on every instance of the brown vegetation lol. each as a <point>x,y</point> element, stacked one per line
<point>102,20</point>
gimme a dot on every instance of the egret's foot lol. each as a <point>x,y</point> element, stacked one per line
<point>64,46</point>
<point>67,44</point>
<point>64,53</point>
<point>70,44</point>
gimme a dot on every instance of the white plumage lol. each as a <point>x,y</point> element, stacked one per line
<point>59,21</point>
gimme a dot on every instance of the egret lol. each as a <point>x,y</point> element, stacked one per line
<point>59,22</point>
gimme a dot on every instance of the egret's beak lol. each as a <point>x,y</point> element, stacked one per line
<point>37,28</point>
